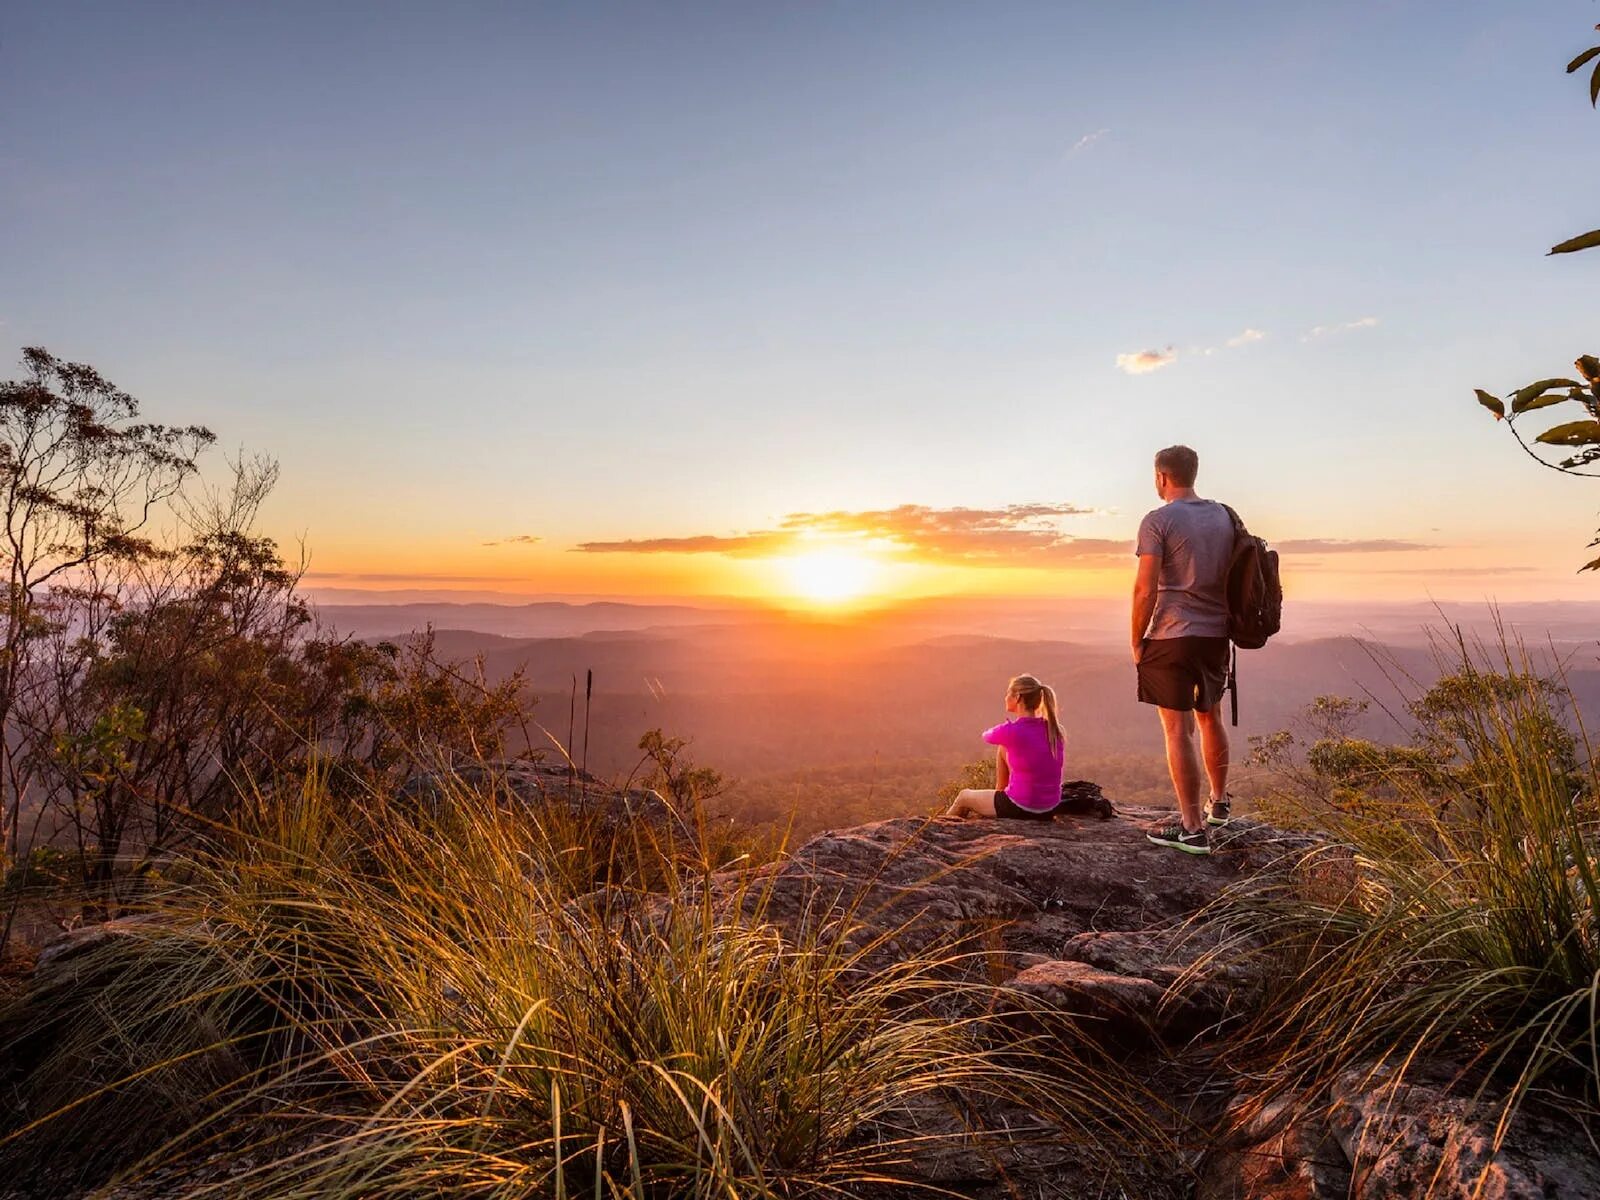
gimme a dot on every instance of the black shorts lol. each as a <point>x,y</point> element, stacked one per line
<point>1005,806</point>
<point>1185,673</point>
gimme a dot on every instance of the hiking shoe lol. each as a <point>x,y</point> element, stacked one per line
<point>1178,838</point>
<point>1219,811</point>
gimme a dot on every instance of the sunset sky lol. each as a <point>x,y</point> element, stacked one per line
<point>655,299</point>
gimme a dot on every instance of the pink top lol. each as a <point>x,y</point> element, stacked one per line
<point>1035,772</point>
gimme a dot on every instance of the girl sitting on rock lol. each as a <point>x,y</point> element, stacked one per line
<point>1028,759</point>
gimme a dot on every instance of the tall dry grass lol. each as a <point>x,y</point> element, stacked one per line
<point>395,999</point>
<point>1453,917</point>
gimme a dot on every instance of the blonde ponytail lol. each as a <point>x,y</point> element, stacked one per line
<point>1039,699</point>
<point>1052,717</point>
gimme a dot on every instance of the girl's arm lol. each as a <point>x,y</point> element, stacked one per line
<point>1002,769</point>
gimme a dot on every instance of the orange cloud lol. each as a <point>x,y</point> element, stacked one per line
<point>521,539</point>
<point>1016,535</point>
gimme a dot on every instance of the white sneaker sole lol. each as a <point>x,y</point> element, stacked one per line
<point>1184,846</point>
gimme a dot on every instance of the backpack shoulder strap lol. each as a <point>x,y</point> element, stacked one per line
<point>1238,525</point>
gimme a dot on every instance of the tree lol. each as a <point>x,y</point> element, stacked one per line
<point>403,706</point>
<point>674,774</point>
<point>158,686</point>
<point>1580,436</point>
<point>165,692</point>
<point>152,686</point>
<point>80,479</point>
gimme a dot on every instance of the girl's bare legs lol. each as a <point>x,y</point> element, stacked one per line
<point>977,801</point>
<point>980,801</point>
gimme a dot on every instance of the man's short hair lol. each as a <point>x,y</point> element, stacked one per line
<point>1180,463</point>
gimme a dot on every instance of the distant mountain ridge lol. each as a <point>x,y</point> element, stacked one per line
<point>1089,621</point>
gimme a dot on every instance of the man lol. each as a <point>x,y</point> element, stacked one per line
<point>1180,641</point>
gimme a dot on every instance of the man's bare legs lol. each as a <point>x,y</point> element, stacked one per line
<point>1183,764</point>
<point>1214,748</point>
<point>1184,760</point>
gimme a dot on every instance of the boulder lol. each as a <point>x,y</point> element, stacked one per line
<point>1276,1151</point>
<point>536,785</point>
<point>1120,1007</point>
<point>1379,1135</point>
<point>1416,1136</point>
<point>56,956</point>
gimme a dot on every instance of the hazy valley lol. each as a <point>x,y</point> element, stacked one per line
<point>851,719</point>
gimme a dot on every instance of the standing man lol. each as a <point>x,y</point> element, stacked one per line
<point>1180,641</point>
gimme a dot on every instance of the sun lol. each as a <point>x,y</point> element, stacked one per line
<point>829,576</point>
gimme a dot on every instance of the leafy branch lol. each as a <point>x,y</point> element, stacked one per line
<point>1582,436</point>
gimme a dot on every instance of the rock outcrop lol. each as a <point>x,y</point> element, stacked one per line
<point>1081,913</point>
<point>1086,919</point>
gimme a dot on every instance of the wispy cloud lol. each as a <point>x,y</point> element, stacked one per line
<point>1348,546</point>
<point>740,545</point>
<point>1088,140</point>
<point>1324,330</point>
<point>521,539</point>
<point>1016,535</point>
<point>1142,362</point>
<point>1145,361</point>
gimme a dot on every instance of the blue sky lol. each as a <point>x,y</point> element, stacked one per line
<point>605,272</point>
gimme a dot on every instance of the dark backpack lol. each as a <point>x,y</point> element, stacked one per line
<point>1255,593</point>
<point>1080,798</point>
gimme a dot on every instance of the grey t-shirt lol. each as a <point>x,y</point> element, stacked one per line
<point>1195,541</point>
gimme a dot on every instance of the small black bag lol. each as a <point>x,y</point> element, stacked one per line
<point>1080,798</point>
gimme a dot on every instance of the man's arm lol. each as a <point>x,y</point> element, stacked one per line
<point>1145,584</point>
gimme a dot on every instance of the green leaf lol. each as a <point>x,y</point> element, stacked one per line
<point>1573,433</point>
<point>1545,385</point>
<point>1592,52</point>
<point>1523,398</point>
<point>1584,241</point>
<point>1545,401</point>
<point>1492,403</point>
